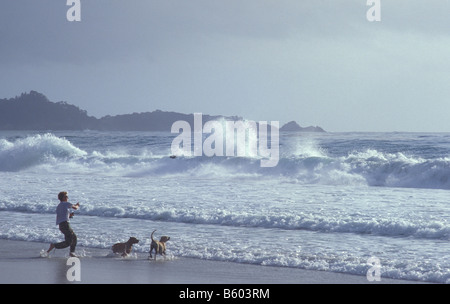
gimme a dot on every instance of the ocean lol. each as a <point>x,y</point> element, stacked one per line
<point>368,204</point>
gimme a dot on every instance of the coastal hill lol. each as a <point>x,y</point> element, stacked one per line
<point>33,111</point>
<point>292,126</point>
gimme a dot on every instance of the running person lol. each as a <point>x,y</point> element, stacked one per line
<point>63,213</point>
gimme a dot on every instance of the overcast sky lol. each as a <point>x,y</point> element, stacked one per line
<point>318,62</point>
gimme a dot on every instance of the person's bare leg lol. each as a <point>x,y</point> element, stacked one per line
<point>52,246</point>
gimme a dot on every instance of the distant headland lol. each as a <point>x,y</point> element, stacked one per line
<point>33,111</point>
<point>292,126</point>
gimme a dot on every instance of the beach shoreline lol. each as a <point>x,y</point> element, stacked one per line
<point>21,263</point>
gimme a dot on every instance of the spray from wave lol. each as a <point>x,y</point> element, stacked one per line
<point>35,150</point>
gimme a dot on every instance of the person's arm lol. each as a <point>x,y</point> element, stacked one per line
<point>76,206</point>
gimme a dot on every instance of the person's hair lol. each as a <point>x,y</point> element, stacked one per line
<point>62,195</point>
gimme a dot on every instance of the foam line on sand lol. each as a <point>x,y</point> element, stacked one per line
<point>21,263</point>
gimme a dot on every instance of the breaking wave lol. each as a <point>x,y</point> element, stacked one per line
<point>36,150</point>
<point>305,164</point>
<point>384,226</point>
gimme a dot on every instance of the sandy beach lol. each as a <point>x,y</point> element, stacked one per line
<point>21,263</point>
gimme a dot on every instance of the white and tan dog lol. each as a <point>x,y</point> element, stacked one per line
<point>158,246</point>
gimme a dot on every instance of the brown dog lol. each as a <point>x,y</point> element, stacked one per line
<point>159,246</point>
<point>125,248</point>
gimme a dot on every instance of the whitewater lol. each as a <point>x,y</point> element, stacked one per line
<point>334,200</point>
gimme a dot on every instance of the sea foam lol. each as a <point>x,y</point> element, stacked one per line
<point>303,161</point>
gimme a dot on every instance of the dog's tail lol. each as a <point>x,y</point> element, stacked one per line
<point>152,235</point>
